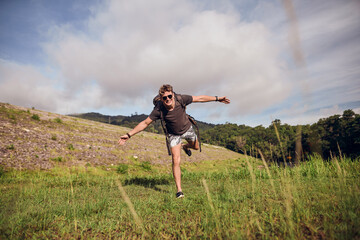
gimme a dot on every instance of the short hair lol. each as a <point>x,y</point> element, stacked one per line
<point>165,88</point>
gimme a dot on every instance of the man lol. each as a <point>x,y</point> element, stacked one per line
<point>177,124</point>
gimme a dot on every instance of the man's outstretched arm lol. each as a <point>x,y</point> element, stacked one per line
<point>205,98</point>
<point>141,126</point>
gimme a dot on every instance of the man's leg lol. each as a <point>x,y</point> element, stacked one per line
<point>175,153</point>
<point>192,144</point>
<point>192,140</point>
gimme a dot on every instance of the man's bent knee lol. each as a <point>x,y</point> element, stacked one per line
<point>194,145</point>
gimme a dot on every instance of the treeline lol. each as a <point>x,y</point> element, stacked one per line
<point>335,135</point>
<point>329,136</point>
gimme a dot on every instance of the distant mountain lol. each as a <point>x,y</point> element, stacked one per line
<point>132,121</point>
<point>99,117</point>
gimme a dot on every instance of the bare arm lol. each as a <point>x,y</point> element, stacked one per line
<point>140,127</point>
<point>205,98</point>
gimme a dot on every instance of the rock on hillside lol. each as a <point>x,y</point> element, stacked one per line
<point>34,139</point>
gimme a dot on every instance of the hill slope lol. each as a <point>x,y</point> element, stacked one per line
<point>34,139</point>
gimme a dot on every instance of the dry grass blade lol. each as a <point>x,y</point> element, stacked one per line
<point>131,206</point>
<point>288,202</point>
<point>278,137</point>
<point>208,195</point>
<point>72,199</point>
<point>253,178</point>
<point>268,172</point>
<point>298,145</point>
<point>294,38</point>
<point>339,151</point>
<point>334,159</point>
<point>212,207</point>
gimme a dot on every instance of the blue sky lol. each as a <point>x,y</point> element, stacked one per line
<point>296,61</point>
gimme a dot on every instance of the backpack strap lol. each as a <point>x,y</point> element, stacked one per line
<point>160,106</point>
<point>162,119</point>
<point>193,121</point>
<point>180,100</point>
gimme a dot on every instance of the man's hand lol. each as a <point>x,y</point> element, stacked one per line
<point>224,100</point>
<point>123,139</point>
<point>141,126</point>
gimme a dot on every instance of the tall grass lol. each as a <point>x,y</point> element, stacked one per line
<point>315,200</point>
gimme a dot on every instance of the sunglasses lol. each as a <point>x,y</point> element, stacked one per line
<point>168,96</point>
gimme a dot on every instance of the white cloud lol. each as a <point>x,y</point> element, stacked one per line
<point>24,85</point>
<point>139,46</point>
<point>330,36</point>
<point>303,116</point>
<point>130,48</point>
<point>27,86</point>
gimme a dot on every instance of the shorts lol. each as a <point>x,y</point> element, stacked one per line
<point>189,135</point>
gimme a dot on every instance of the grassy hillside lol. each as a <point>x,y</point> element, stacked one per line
<point>315,200</point>
<point>33,139</point>
<point>93,189</point>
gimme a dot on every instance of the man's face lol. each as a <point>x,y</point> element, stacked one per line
<point>167,98</point>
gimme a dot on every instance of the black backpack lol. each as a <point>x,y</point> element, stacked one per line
<point>157,102</point>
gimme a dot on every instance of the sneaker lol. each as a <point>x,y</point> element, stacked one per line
<point>179,195</point>
<point>187,151</point>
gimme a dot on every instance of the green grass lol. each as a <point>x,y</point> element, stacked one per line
<point>122,168</point>
<point>234,200</point>
<point>57,120</point>
<point>35,117</point>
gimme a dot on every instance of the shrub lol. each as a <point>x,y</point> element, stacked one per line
<point>57,159</point>
<point>57,120</point>
<point>122,168</point>
<point>53,137</point>
<point>70,147</point>
<point>35,117</point>
<point>11,147</point>
<point>146,165</point>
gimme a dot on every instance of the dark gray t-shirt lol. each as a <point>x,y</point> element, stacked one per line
<point>176,120</point>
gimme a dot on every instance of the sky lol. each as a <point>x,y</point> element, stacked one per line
<point>293,60</point>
